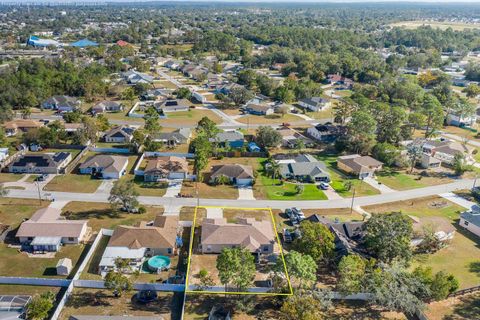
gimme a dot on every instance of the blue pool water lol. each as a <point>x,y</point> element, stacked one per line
<point>158,263</point>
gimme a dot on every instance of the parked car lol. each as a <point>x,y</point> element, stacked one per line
<point>323,186</point>
<point>129,209</point>
<point>287,236</point>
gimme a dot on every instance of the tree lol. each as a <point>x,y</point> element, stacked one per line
<point>240,95</point>
<point>388,236</point>
<point>203,149</point>
<point>208,128</point>
<point>273,167</point>
<point>124,193</point>
<point>205,279</point>
<point>432,109</point>
<point>343,110</point>
<point>128,94</point>
<point>300,266</point>
<point>361,131</point>
<point>40,306</point>
<point>316,241</point>
<point>299,188</point>
<point>386,153</point>
<point>151,118</point>
<point>102,123</point>
<point>472,91</point>
<point>439,285</point>
<point>302,306</point>
<point>236,266</point>
<point>414,154</point>
<point>267,137</point>
<point>90,129</point>
<point>184,93</point>
<point>351,274</point>
<point>117,283</point>
<point>460,164</point>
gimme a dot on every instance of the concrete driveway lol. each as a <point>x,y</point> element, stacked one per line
<point>245,193</point>
<point>174,188</point>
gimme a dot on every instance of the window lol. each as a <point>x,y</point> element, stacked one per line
<point>71,239</point>
<point>265,248</point>
<point>169,250</point>
<point>465,223</point>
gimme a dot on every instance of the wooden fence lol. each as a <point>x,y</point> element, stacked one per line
<point>464,291</point>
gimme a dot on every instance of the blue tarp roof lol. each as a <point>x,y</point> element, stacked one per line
<point>84,43</point>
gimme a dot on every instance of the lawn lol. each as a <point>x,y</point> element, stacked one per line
<point>12,289</point>
<point>458,26</point>
<point>13,211</point>
<point>151,189</point>
<point>91,270</point>
<point>272,190</point>
<point>16,264</point>
<point>73,183</point>
<point>101,215</point>
<point>340,182</point>
<point>401,180</point>
<point>207,191</point>
<point>190,117</point>
<point>31,178</point>
<point>103,303</point>
<point>10,177</point>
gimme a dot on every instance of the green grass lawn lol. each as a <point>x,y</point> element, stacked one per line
<point>399,181</point>
<point>153,189</point>
<point>32,178</point>
<point>287,191</point>
<point>73,183</point>
<point>91,270</point>
<point>10,177</point>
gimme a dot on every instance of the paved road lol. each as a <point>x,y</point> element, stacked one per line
<point>311,204</point>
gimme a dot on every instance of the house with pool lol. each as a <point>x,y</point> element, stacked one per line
<point>146,246</point>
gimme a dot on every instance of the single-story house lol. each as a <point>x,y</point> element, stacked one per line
<point>105,166</point>
<point>134,77</point>
<point>155,94</point>
<point>336,79</point>
<point>232,139</point>
<point>303,168</point>
<point>172,64</point>
<point>461,121</point>
<point>107,106</point>
<point>256,236</point>
<point>363,166</point>
<point>23,125</point>
<point>41,163</point>
<point>314,104</point>
<point>238,174</point>
<point>291,138</point>
<point>163,168</point>
<point>260,109</point>
<point>61,103</point>
<point>173,105</point>
<point>171,139</point>
<point>119,134</point>
<point>135,243</point>
<point>326,133</point>
<point>429,162</point>
<point>470,220</point>
<point>47,231</point>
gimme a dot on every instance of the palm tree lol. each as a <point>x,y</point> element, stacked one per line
<point>274,168</point>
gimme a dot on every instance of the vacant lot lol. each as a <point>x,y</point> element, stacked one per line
<point>101,215</point>
<point>207,191</point>
<point>13,211</point>
<point>190,117</point>
<point>443,25</point>
<point>103,303</point>
<point>461,308</point>
<point>270,119</point>
<point>401,180</point>
<point>73,183</point>
<point>10,177</point>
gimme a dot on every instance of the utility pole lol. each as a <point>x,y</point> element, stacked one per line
<point>474,181</point>
<point>353,199</point>
<point>39,194</point>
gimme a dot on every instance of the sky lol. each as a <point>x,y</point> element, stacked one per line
<point>252,1</point>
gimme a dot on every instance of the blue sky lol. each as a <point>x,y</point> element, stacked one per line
<point>254,1</point>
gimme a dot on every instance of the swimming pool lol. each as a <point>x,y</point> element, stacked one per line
<point>157,263</point>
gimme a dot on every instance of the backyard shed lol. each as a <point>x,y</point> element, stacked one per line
<point>64,267</point>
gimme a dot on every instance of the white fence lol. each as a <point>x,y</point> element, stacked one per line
<point>111,150</point>
<point>99,284</point>
<point>35,281</point>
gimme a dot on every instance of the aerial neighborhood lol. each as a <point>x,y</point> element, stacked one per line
<point>239,161</point>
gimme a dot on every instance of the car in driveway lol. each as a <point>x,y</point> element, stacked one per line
<point>323,186</point>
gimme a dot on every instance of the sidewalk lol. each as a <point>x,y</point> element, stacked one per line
<point>450,196</point>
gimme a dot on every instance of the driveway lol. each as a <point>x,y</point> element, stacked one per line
<point>377,185</point>
<point>450,196</point>
<point>173,189</point>
<point>245,193</point>
<point>105,186</point>
<point>214,213</point>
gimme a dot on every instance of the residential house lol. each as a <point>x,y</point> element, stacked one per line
<point>227,88</point>
<point>442,228</point>
<point>460,120</point>
<point>61,104</point>
<point>233,139</point>
<point>107,106</point>
<point>470,220</point>
<point>136,243</point>
<point>314,104</point>
<point>174,138</point>
<point>303,168</point>
<point>173,105</point>
<point>41,163</point>
<point>260,109</point>
<point>336,79</point>
<point>105,166</point>
<point>3,154</point>
<point>442,150</point>
<point>46,230</point>
<point>326,133</point>
<point>363,166</point>
<point>156,94</point>
<point>165,168</point>
<point>256,236</point>
<point>21,125</point>
<point>238,174</point>
<point>119,134</point>
<point>172,64</point>
<point>134,77</point>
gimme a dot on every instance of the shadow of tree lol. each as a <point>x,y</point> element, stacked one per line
<point>92,214</point>
<point>162,305</point>
<point>97,298</point>
<point>475,267</point>
<point>467,308</point>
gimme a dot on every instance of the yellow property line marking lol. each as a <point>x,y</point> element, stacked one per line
<point>190,252</point>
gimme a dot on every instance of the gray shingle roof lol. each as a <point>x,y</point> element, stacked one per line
<point>471,217</point>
